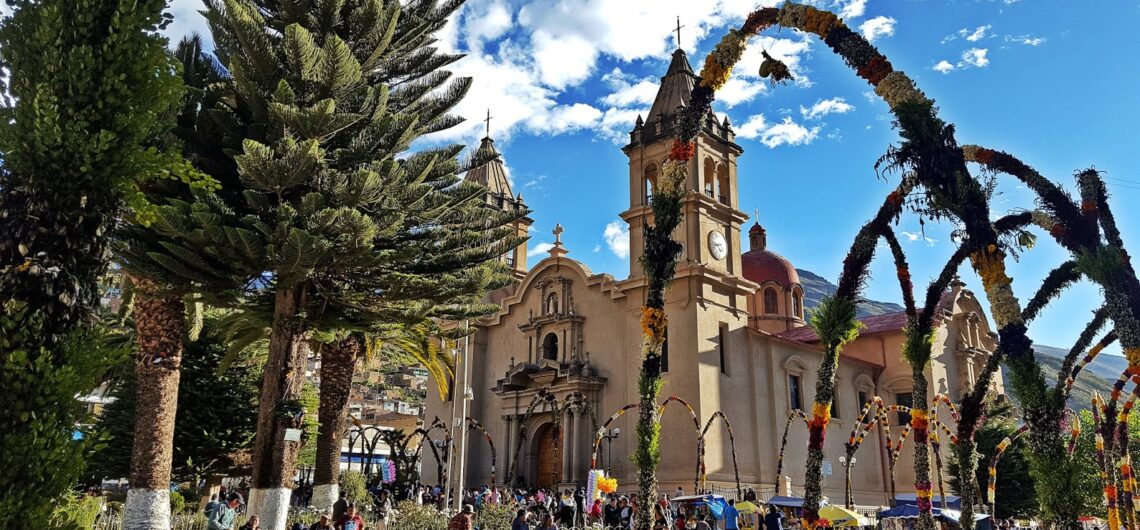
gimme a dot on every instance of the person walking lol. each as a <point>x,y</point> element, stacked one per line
<point>222,518</point>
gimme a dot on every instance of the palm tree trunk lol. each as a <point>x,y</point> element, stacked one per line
<point>160,325</point>
<point>920,424</point>
<point>275,458</point>
<point>338,363</point>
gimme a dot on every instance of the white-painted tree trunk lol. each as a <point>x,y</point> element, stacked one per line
<point>147,510</point>
<point>324,496</point>
<point>271,505</point>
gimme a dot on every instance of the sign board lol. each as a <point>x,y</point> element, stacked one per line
<point>292,435</point>
<point>827,468</point>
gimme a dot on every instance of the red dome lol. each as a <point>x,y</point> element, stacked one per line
<point>764,265</point>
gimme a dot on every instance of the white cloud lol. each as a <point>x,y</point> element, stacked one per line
<point>487,21</point>
<point>851,8</point>
<point>627,93</point>
<point>976,35</point>
<point>616,235</point>
<point>824,107</point>
<point>787,132</point>
<point>597,248</point>
<point>1026,40</point>
<point>739,90</point>
<point>539,249</point>
<point>943,66</point>
<point>913,237</point>
<point>877,27</point>
<point>975,57</point>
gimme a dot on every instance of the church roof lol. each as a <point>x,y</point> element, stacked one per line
<point>491,175</point>
<point>873,324</point>
<point>761,265</point>
<point>676,87</point>
<point>764,265</point>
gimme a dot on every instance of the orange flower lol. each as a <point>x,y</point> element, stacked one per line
<point>985,156</point>
<point>1088,207</point>
<point>1058,230</point>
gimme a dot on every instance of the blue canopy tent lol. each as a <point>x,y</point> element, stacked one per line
<point>715,503</point>
<point>786,502</point>
<point>952,502</point>
<point>908,511</point>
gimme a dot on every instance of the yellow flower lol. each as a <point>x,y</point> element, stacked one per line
<point>821,410</point>
<point>1133,356</point>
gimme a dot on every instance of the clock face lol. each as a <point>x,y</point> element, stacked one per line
<point>717,245</point>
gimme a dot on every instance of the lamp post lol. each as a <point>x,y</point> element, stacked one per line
<point>609,437</point>
<point>848,498</point>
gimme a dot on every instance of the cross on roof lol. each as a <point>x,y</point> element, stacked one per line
<point>488,121</point>
<point>558,234</point>
<point>678,30</point>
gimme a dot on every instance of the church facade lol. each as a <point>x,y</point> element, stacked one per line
<point>562,354</point>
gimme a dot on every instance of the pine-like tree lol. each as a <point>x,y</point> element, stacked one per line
<point>319,213</point>
<point>89,85</point>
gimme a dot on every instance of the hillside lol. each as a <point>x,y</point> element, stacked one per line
<point>1097,376</point>
<point>816,287</point>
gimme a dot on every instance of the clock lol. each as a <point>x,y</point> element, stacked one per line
<point>718,247</point>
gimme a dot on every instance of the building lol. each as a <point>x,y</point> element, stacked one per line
<point>737,343</point>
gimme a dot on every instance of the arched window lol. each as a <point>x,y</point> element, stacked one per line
<point>798,303</point>
<point>552,304</point>
<point>550,347</point>
<point>650,181</point>
<point>771,302</point>
<point>710,179</point>
<point>722,189</point>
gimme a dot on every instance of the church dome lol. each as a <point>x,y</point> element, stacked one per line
<point>761,265</point>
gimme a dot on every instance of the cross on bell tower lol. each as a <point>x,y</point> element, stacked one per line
<point>488,122</point>
<point>678,30</point>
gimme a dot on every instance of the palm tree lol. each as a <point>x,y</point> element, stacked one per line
<point>338,366</point>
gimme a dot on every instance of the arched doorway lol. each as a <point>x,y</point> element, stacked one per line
<point>550,347</point>
<point>548,461</point>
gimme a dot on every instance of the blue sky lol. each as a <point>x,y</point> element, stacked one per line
<point>1051,81</point>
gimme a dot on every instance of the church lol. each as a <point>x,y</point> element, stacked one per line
<point>562,353</point>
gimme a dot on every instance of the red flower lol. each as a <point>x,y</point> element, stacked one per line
<point>895,198</point>
<point>816,437</point>
<point>1058,230</point>
<point>875,70</point>
<point>1088,207</point>
<point>682,151</point>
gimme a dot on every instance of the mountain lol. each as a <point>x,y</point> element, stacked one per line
<point>1098,375</point>
<point>816,287</point>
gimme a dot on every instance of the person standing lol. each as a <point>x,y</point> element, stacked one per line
<point>774,520</point>
<point>383,509</point>
<point>626,513</point>
<point>464,520</point>
<point>340,506</point>
<point>254,523</point>
<point>223,515</point>
<point>324,523</point>
<point>520,521</point>
<point>731,516</point>
<point>547,523</point>
<point>350,520</point>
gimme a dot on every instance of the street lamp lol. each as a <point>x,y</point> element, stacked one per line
<point>848,498</point>
<point>609,437</point>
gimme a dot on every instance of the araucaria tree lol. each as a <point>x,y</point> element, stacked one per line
<point>329,226</point>
<point>89,84</point>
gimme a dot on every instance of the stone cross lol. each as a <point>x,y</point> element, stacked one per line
<point>558,234</point>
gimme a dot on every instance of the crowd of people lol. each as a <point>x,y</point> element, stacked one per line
<point>535,509</point>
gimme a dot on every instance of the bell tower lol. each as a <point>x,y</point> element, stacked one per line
<point>711,227</point>
<point>493,176</point>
